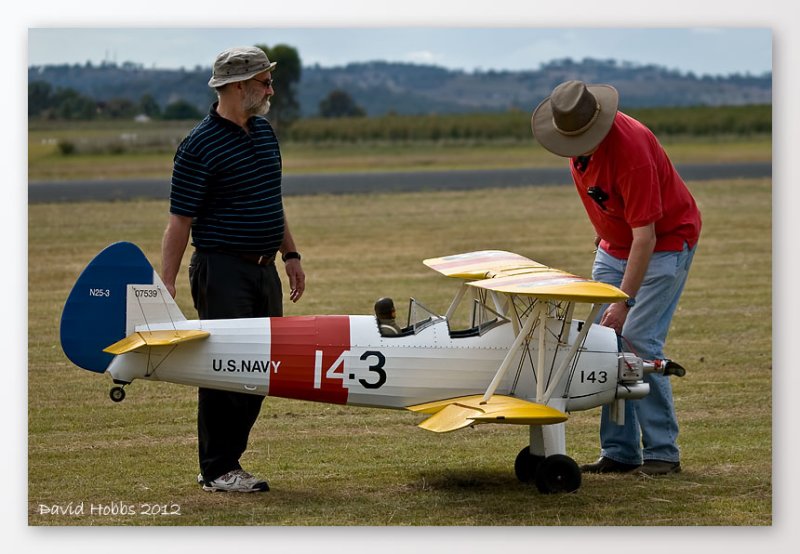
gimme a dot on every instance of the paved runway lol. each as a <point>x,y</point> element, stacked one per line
<point>341,183</point>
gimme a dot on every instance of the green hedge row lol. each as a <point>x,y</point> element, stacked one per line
<point>694,121</point>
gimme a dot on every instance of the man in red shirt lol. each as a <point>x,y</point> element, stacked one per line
<point>647,225</point>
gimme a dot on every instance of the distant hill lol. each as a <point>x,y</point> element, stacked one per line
<point>383,87</point>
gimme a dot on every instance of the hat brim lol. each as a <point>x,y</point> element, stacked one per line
<point>544,129</point>
<point>225,79</point>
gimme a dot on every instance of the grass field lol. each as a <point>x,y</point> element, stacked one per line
<point>338,466</point>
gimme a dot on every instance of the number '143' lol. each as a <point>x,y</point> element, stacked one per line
<point>594,377</point>
<point>376,362</point>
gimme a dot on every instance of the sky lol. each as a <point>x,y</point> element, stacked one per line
<point>700,49</point>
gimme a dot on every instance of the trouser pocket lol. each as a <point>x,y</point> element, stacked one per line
<point>197,278</point>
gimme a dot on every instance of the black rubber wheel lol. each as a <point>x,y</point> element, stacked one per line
<point>117,394</point>
<point>558,473</point>
<point>526,464</point>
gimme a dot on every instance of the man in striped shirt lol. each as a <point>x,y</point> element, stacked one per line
<point>226,194</point>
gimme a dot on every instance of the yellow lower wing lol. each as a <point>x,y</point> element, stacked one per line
<point>457,413</point>
<point>154,338</point>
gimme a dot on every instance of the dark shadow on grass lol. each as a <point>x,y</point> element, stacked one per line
<point>468,480</point>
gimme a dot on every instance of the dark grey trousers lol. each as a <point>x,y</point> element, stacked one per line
<point>225,286</point>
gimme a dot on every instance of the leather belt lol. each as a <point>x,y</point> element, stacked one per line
<point>258,259</point>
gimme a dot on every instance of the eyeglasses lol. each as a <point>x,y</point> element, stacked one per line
<point>266,82</point>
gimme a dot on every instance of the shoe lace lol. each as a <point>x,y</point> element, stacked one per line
<point>241,474</point>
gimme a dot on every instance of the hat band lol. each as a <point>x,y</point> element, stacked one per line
<point>244,71</point>
<point>583,129</point>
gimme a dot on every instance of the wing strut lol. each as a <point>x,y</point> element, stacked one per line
<point>545,397</point>
<point>523,334</point>
<point>456,301</point>
<point>541,355</point>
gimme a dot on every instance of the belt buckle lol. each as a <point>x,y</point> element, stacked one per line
<point>261,260</point>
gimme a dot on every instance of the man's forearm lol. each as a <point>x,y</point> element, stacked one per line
<point>644,241</point>
<point>173,245</point>
<point>287,245</point>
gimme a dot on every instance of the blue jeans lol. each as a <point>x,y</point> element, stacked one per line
<point>650,431</point>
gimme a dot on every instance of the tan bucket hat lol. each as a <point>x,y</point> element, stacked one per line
<point>239,64</point>
<point>575,117</point>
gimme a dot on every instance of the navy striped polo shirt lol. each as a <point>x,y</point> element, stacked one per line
<point>229,182</point>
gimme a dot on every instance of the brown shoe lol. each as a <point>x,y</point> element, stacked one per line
<point>659,467</point>
<point>607,465</point>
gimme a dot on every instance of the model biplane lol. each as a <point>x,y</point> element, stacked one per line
<point>521,359</point>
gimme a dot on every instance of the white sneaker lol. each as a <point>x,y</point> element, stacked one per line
<point>237,480</point>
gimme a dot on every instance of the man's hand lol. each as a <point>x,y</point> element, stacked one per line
<point>171,289</point>
<point>615,316</point>
<point>297,279</point>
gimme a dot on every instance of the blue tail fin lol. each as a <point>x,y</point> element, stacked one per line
<point>95,313</point>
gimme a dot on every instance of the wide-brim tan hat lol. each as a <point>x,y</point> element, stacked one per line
<point>575,118</point>
<point>239,64</point>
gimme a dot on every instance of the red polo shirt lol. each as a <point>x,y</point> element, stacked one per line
<point>640,185</point>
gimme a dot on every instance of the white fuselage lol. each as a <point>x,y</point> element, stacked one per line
<point>345,360</point>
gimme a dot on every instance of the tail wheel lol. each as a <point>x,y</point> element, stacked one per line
<point>558,473</point>
<point>117,394</point>
<point>526,464</point>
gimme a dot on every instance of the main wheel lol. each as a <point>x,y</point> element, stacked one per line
<point>558,473</point>
<point>526,464</point>
<point>117,394</point>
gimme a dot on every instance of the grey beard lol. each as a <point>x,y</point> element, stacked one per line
<point>260,109</point>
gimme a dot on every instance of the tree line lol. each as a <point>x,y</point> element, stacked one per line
<point>68,104</point>
<point>48,103</point>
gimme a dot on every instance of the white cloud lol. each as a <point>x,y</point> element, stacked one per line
<point>422,57</point>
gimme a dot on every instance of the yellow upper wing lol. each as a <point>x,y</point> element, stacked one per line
<point>482,264</point>
<point>511,273</point>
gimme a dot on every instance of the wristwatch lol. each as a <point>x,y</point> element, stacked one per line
<point>290,256</point>
<point>630,302</point>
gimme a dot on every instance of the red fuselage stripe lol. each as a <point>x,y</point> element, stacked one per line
<point>302,372</point>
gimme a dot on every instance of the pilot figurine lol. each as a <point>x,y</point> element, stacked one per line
<point>385,312</point>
